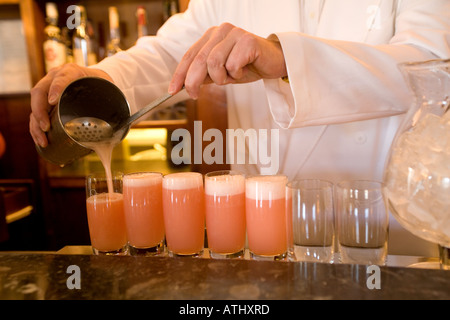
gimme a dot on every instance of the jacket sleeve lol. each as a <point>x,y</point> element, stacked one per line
<point>335,81</point>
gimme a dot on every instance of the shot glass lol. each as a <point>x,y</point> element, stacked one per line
<point>225,214</point>
<point>312,211</point>
<point>265,209</point>
<point>362,222</point>
<point>142,200</point>
<point>105,214</point>
<point>184,213</point>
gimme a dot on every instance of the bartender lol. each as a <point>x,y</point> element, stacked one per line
<point>322,73</point>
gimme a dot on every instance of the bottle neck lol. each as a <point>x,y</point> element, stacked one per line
<point>52,21</point>
<point>51,12</point>
<point>142,22</point>
<point>81,30</point>
<point>115,36</point>
<point>114,31</point>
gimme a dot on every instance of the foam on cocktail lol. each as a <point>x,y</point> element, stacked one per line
<point>105,198</point>
<point>142,179</point>
<point>106,221</point>
<point>183,181</point>
<point>223,185</point>
<point>266,187</point>
<point>265,211</point>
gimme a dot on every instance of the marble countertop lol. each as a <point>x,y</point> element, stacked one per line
<point>56,276</point>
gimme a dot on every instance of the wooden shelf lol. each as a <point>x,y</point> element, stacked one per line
<point>10,2</point>
<point>168,124</point>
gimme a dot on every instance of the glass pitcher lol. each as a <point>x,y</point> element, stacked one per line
<point>417,175</point>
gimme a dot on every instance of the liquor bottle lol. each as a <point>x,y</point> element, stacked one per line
<point>141,16</point>
<point>170,8</point>
<point>67,40</point>
<point>114,32</point>
<point>83,49</point>
<point>54,47</point>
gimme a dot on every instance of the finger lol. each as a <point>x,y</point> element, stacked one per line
<point>254,58</point>
<point>196,75</point>
<point>198,71</point>
<point>192,70</point>
<point>62,78</point>
<point>220,55</point>
<point>46,93</point>
<point>242,56</point>
<point>37,134</point>
<point>40,107</point>
<point>179,76</point>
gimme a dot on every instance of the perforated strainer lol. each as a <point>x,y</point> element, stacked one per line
<point>91,129</point>
<point>89,97</point>
<point>88,129</point>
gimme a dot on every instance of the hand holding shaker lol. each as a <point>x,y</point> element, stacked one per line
<point>84,97</point>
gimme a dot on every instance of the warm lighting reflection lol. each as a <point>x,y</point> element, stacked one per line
<point>141,144</point>
<point>147,136</point>
<point>147,144</point>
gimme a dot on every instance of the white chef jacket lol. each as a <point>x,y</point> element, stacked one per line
<point>346,98</point>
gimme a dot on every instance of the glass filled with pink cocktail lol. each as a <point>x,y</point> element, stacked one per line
<point>184,213</point>
<point>142,199</point>
<point>265,210</point>
<point>225,213</point>
<point>105,214</point>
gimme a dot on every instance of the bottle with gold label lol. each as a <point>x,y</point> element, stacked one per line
<point>54,47</point>
<point>114,32</point>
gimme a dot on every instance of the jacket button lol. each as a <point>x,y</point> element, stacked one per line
<point>360,138</point>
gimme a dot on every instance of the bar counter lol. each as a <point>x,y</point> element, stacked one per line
<point>54,276</point>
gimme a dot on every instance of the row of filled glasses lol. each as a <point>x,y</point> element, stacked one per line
<point>265,217</point>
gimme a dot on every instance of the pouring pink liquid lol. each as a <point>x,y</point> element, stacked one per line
<point>105,210</point>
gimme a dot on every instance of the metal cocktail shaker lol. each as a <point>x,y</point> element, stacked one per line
<point>84,97</point>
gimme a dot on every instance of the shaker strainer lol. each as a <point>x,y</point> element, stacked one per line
<point>88,97</point>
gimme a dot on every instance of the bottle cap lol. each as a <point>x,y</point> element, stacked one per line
<point>51,10</point>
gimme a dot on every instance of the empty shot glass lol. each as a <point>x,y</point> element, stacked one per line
<point>362,222</point>
<point>312,210</point>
